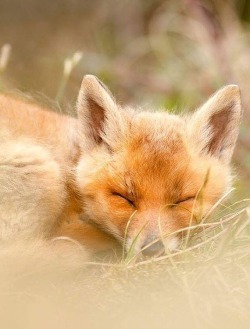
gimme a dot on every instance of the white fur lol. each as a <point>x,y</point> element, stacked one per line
<point>31,190</point>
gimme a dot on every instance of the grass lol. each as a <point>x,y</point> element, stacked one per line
<point>204,284</point>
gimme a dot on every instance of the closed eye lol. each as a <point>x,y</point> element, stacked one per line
<point>124,198</point>
<point>185,199</point>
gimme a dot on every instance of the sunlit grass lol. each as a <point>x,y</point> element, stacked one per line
<point>70,64</point>
<point>4,56</point>
<point>203,284</point>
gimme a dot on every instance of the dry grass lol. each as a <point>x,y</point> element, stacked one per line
<point>205,284</point>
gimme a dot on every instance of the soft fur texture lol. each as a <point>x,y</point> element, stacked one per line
<point>113,171</point>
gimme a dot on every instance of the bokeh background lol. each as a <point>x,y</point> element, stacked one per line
<point>155,53</point>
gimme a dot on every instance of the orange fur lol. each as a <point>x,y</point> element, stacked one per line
<point>113,165</point>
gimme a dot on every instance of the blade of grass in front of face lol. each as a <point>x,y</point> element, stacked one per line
<point>125,235</point>
<point>166,250</point>
<point>162,235</point>
<point>199,199</point>
<point>221,223</point>
<point>130,252</point>
<point>178,253</point>
<point>231,207</point>
<point>232,231</point>
<point>214,237</point>
<point>205,226</point>
<point>218,203</point>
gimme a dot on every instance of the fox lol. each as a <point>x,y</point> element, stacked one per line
<point>113,175</point>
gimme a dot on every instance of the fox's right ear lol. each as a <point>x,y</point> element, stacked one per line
<point>215,126</point>
<point>98,113</point>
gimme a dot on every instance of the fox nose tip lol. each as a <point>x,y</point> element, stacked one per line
<point>155,249</point>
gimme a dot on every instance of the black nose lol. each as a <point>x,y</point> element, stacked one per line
<point>155,249</point>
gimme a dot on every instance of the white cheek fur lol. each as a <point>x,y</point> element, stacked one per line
<point>172,244</point>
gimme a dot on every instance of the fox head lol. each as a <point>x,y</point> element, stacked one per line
<point>141,175</point>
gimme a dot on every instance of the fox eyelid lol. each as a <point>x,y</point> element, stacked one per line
<point>125,198</point>
<point>184,200</point>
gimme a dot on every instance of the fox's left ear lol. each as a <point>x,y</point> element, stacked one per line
<point>99,117</point>
<point>215,126</point>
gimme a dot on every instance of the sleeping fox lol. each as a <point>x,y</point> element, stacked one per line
<point>113,174</point>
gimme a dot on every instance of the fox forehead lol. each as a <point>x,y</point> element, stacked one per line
<point>157,134</point>
<point>154,161</point>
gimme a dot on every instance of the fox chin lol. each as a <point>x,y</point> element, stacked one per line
<point>113,175</point>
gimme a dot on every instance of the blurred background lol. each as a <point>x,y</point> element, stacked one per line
<point>156,53</point>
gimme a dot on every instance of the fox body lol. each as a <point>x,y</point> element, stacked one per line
<point>113,173</point>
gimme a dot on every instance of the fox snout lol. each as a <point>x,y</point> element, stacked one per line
<point>152,245</point>
<point>150,237</point>
<point>152,248</point>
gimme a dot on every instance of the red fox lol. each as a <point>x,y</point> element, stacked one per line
<point>113,173</point>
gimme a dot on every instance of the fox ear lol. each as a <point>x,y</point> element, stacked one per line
<point>96,109</point>
<point>215,126</point>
